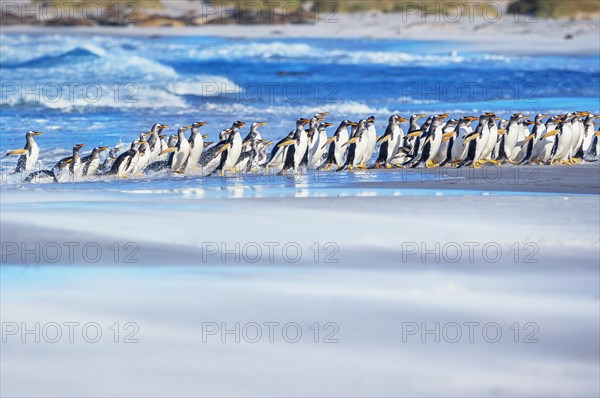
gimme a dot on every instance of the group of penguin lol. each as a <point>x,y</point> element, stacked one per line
<point>561,139</point>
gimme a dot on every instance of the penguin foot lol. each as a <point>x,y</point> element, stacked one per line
<point>430,164</point>
<point>350,169</point>
<point>377,166</point>
<point>388,166</point>
<point>477,164</point>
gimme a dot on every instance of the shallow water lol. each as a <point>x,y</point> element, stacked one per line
<point>105,90</point>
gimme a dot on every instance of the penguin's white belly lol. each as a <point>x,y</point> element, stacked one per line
<point>370,145</point>
<point>359,151</point>
<point>564,144</point>
<point>93,167</point>
<point>233,154</point>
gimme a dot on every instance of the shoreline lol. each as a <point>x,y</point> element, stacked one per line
<point>544,36</point>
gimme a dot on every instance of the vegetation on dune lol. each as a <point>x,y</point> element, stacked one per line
<point>540,8</point>
<point>149,4</point>
<point>555,8</point>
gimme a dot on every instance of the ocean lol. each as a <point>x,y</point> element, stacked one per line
<point>105,90</point>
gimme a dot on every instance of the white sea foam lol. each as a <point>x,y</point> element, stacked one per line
<point>205,85</point>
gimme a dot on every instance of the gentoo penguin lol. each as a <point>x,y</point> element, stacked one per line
<point>253,135</point>
<point>248,159</point>
<point>123,163</point>
<point>456,150</point>
<point>521,149</point>
<point>262,156</point>
<point>196,142</point>
<point>62,173</point>
<point>110,159</point>
<point>593,153</point>
<point>180,152</point>
<point>29,153</point>
<point>541,152</point>
<point>371,135</point>
<point>561,151</point>
<point>314,141</point>
<point>431,143</point>
<point>336,151</point>
<point>356,147</point>
<point>91,162</point>
<point>514,130</point>
<point>317,148</point>
<point>578,136</point>
<point>539,129</point>
<point>295,148</point>
<point>48,176</point>
<point>588,135</point>
<point>276,157</point>
<point>230,152</point>
<point>142,158</point>
<point>209,161</point>
<point>445,149</point>
<point>474,143</point>
<point>390,142</point>
<point>155,143</point>
<point>407,152</point>
<point>487,152</point>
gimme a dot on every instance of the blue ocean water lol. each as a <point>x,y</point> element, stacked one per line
<point>102,90</point>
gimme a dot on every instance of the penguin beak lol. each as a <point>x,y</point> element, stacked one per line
<point>402,120</point>
<point>168,150</point>
<point>448,135</point>
<point>162,137</point>
<point>327,124</point>
<point>443,115</point>
<point>164,126</point>
<point>200,124</point>
<point>329,141</point>
<point>37,133</point>
<point>69,160</point>
<point>384,138</point>
<point>490,114</point>
<point>261,124</point>
<point>421,116</point>
<point>472,118</point>
<point>268,143</point>
<point>353,124</point>
<point>287,143</point>
<point>304,121</point>
<point>501,132</point>
<point>205,136</point>
<point>102,148</point>
<point>148,134</point>
<point>79,146</point>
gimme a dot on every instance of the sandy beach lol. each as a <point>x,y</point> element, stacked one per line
<point>544,36</point>
<point>370,283</point>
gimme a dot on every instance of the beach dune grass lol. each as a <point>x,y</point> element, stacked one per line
<point>556,8</point>
<point>541,8</point>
